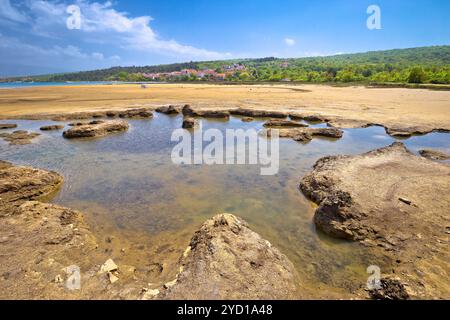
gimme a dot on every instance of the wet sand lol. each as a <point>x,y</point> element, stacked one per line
<point>390,107</point>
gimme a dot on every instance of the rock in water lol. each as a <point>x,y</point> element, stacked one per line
<point>284,123</point>
<point>189,112</point>
<point>8,126</point>
<point>19,137</point>
<point>169,110</point>
<point>189,123</point>
<point>229,261</point>
<point>258,113</point>
<point>391,199</point>
<point>96,129</point>
<point>434,154</point>
<point>52,127</point>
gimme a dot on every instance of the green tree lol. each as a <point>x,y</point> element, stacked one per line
<point>416,75</point>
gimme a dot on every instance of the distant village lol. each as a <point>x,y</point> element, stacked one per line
<point>204,74</point>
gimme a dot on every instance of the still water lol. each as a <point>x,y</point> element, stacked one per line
<point>128,183</point>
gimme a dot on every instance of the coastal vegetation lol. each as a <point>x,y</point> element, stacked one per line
<point>424,65</point>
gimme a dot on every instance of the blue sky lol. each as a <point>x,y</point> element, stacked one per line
<point>34,38</point>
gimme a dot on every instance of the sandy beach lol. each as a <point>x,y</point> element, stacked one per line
<point>386,106</point>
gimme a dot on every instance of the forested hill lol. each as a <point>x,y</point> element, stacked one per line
<point>415,65</point>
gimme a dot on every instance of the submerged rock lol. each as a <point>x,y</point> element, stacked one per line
<point>387,198</point>
<point>52,127</point>
<point>19,137</point>
<point>7,126</point>
<point>284,123</point>
<point>258,113</point>
<point>189,123</point>
<point>96,129</point>
<point>169,110</point>
<point>189,112</point>
<point>227,260</point>
<point>247,119</point>
<point>434,154</point>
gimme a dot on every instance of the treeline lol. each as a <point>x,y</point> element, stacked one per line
<point>416,65</point>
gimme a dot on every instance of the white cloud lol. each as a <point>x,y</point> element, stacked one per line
<point>290,42</point>
<point>9,12</point>
<point>100,22</point>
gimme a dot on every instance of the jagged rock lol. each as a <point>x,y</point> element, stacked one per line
<point>258,113</point>
<point>189,123</point>
<point>434,154</point>
<point>52,127</point>
<point>8,126</point>
<point>96,129</point>
<point>189,112</point>
<point>19,137</point>
<point>284,123</point>
<point>358,198</point>
<point>229,261</point>
<point>169,110</point>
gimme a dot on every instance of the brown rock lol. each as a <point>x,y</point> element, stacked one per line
<point>229,261</point>
<point>189,112</point>
<point>258,113</point>
<point>307,134</point>
<point>284,123</point>
<point>358,198</point>
<point>96,129</point>
<point>434,154</point>
<point>247,119</point>
<point>189,123</point>
<point>169,110</point>
<point>52,127</point>
<point>8,126</point>
<point>18,184</point>
<point>19,137</point>
<point>136,113</point>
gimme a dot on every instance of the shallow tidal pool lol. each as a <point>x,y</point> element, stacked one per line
<point>127,184</point>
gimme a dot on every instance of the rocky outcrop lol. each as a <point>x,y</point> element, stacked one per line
<point>434,154</point>
<point>7,126</point>
<point>96,129</point>
<point>189,112</point>
<point>307,134</point>
<point>190,123</point>
<point>284,123</point>
<point>169,110</point>
<point>52,127</point>
<point>19,137</point>
<point>258,113</point>
<point>226,260</point>
<point>19,184</point>
<point>392,199</point>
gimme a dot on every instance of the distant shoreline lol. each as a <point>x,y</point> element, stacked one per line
<point>17,85</point>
